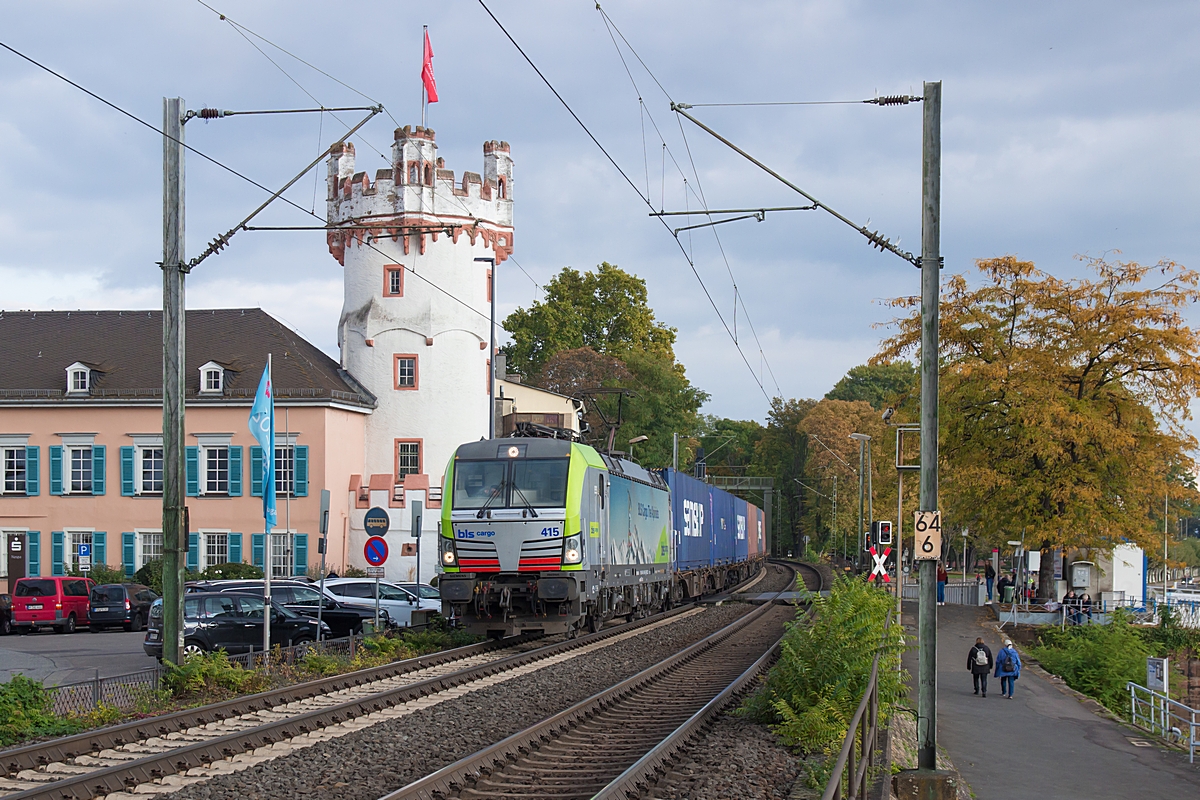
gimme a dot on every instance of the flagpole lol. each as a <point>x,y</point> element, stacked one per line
<point>424,33</point>
<point>267,532</point>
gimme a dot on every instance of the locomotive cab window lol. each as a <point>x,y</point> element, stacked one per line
<point>511,483</point>
<point>539,483</point>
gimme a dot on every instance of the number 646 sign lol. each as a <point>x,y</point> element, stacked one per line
<point>928,526</point>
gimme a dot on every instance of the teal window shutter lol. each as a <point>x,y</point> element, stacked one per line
<point>235,473</point>
<point>32,473</point>
<point>56,469</point>
<point>235,548</point>
<point>193,471</point>
<point>129,552</point>
<point>33,545</point>
<point>301,461</point>
<point>98,451</point>
<point>256,469</point>
<point>193,556</point>
<point>100,548</point>
<point>257,548</point>
<point>127,484</point>
<point>56,553</point>
<point>300,554</point>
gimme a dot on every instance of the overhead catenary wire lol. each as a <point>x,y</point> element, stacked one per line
<point>219,164</point>
<point>628,180</point>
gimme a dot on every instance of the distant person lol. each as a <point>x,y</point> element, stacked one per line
<point>1001,586</point>
<point>942,577</point>
<point>1085,608</point>
<point>1070,606</point>
<point>989,575</point>
<point>333,573</point>
<point>1008,668</point>
<point>980,663</point>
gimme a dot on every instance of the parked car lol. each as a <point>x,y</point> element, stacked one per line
<point>230,622</point>
<point>304,598</point>
<point>398,602</point>
<point>59,603</point>
<point>424,590</point>
<point>6,614</point>
<point>124,604</point>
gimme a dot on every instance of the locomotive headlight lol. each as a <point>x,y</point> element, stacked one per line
<point>572,553</point>
<point>448,557</point>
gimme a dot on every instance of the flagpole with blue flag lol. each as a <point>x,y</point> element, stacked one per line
<point>262,427</point>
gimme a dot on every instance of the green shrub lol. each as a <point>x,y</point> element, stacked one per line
<point>825,662</point>
<point>231,571</point>
<point>352,571</point>
<point>102,573</point>
<point>25,713</point>
<point>1097,660</point>
<point>151,575</point>
<point>208,672</point>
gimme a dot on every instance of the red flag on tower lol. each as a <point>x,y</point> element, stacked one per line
<point>427,72</point>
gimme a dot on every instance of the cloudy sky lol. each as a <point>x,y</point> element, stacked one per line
<point>1068,129</point>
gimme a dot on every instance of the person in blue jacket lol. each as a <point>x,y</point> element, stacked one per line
<point>1008,668</point>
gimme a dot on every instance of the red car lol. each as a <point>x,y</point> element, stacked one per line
<point>59,603</point>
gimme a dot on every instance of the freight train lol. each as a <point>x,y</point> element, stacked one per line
<point>552,536</point>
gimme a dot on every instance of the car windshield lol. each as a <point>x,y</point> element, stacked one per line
<point>511,483</point>
<point>108,594</point>
<point>426,592</point>
<point>392,593</point>
<point>35,588</point>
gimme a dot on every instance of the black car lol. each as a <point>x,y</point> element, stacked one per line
<point>230,622</point>
<point>6,626</point>
<point>304,598</point>
<point>124,604</point>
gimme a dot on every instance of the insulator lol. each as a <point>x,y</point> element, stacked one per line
<point>893,100</point>
<point>210,113</point>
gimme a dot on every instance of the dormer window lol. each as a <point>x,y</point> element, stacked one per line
<point>78,379</point>
<point>212,378</point>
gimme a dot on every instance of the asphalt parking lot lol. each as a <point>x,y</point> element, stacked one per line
<point>57,658</point>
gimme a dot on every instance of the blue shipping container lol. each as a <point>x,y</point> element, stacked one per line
<point>741,529</point>
<point>690,520</point>
<point>724,526</point>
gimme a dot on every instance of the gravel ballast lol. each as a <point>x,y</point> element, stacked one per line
<point>368,764</point>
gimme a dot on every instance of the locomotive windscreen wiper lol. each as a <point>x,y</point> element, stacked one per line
<point>499,492</point>
<point>528,505</point>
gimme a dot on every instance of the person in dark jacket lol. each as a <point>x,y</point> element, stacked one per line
<point>1085,607</point>
<point>1071,607</point>
<point>1002,585</point>
<point>989,574</point>
<point>980,663</point>
<point>1008,668</point>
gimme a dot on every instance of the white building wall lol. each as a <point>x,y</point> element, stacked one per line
<point>433,229</point>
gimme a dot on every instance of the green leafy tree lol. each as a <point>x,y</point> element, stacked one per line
<point>882,385</point>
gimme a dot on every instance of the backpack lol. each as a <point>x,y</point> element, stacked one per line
<point>981,658</point>
<point>1009,664</point>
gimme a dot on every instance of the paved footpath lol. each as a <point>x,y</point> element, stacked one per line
<point>1044,743</point>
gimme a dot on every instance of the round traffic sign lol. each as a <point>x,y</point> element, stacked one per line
<point>377,522</point>
<point>376,551</point>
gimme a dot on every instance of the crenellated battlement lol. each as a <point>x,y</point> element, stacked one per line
<point>418,196</point>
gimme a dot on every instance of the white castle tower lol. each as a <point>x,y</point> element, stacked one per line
<point>414,325</point>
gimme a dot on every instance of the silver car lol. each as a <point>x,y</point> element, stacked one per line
<point>399,603</point>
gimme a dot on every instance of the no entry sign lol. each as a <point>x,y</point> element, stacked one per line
<point>376,551</point>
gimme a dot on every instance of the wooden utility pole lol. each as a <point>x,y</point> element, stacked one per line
<point>931,201</point>
<point>174,269</point>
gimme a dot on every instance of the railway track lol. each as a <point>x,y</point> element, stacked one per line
<point>153,753</point>
<point>612,744</point>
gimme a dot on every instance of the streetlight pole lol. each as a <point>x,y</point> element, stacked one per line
<point>862,439</point>
<point>491,359</point>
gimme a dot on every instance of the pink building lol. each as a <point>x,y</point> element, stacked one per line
<point>81,457</point>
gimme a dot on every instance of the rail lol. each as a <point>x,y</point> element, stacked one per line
<point>1165,717</point>
<point>857,755</point>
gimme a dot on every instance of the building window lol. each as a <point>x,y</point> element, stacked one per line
<point>406,371</point>
<point>74,539</point>
<point>81,470</point>
<point>408,458</point>
<point>412,173</point>
<point>393,281</point>
<point>503,188</point>
<point>285,469</point>
<point>212,380</point>
<point>152,470</point>
<point>281,555</point>
<point>216,549</point>
<point>15,474</point>
<point>151,547</point>
<point>77,380</point>
<point>429,175</point>
<point>216,470</point>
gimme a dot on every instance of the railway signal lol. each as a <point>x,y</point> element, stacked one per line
<point>880,568</point>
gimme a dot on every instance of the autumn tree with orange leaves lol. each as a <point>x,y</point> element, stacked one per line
<point>1063,401</point>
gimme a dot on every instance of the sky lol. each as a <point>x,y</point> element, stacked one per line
<point>1068,130</point>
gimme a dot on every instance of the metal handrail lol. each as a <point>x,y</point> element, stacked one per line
<point>1165,717</point>
<point>866,734</point>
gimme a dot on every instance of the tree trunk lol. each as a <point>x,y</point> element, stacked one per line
<point>1047,590</point>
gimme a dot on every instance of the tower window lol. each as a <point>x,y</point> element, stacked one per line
<point>413,176</point>
<point>393,281</point>
<point>408,458</point>
<point>406,371</point>
<point>503,186</point>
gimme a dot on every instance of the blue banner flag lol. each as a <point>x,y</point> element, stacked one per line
<point>262,426</point>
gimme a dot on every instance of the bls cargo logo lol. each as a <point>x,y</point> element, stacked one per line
<point>693,518</point>
<point>741,527</point>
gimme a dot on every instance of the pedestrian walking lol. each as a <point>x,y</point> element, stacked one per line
<point>1008,668</point>
<point>942,577</point>
<point>980,663</point>
<point>989,575</point>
